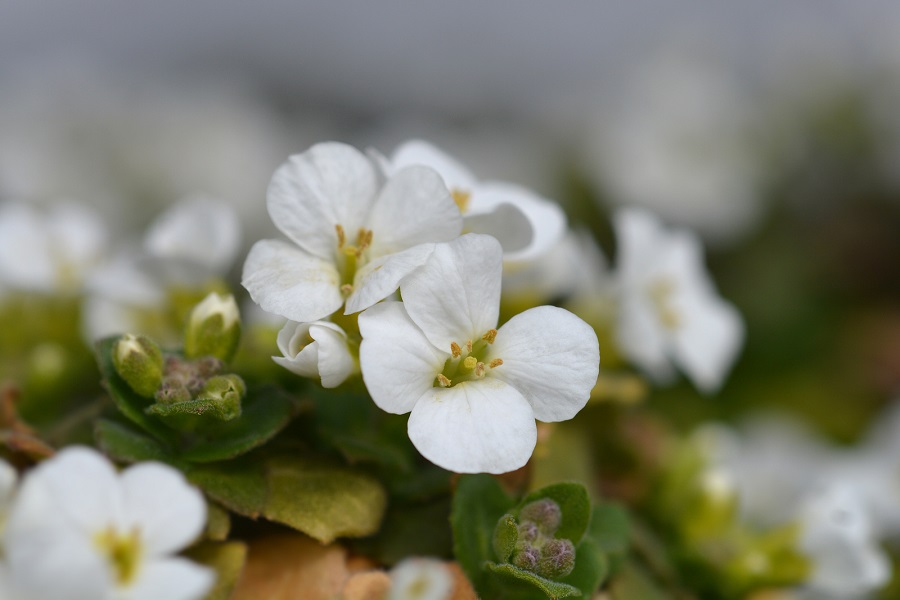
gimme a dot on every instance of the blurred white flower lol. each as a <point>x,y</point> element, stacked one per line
<point>196,240</point>
<point>50,251</point>
<point>668,309</point>
<point>356,235</point>
<point>8,480</point>
<point>420,579</point>
<point>474,391</point>
<point>318,350</point>
<point>525,224</point>
<point>838,537</point>
<point>78,530</point>
<point>678,144</point>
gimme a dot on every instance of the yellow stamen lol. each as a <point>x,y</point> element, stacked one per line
<point>442,380</point>
<point>340,233</point>
<point>495,363</point>
<point>122,551</point>
<point>468,345</point>
<point>455,350</point>
<point>461,197</point>
<point>479,370</point>
<point>490,336</point>
<point>346,289</point>
<point>661,295</point>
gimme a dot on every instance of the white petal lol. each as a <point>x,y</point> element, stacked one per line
<point>530,225</point>
<point>398,364</point>
<point>172,579</point>
<point>551,357</point>
<point>78,235</point>
<point>124,279</point>
<point>326,356</point>
<point>26,260</point>
<point>455,296</point>
<point>287,281</point>
<point>483,426</point>
<point>641,337</point>
<point>330,184</point>
<point>158,500</point>
<point>708,342</point>
<point>418,152</point>
<point>414,207</point>
<point>380,278</point>
<point>420,579</point>
<point>639,240</point>
<point>199,230</point>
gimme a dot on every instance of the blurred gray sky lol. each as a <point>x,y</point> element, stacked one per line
<point>455,57</point>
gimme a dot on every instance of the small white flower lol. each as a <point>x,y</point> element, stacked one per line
<point>474,391</point>
<point>316,350</point>
<point>838,537</point>
<point>420,579</point>
<point>78,530</point>
<point>356,236</point>
<point>525,224</point>
<point>48,251</point>
<point>668,309</point>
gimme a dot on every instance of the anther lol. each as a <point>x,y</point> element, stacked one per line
<point>455,350</point>
<point>479,370</point>
<point>468,345</point>
<point>346,289</point>
<point>340,234</point>
<point>442,380</point>
<point>495,363</point>
<point>461,198</point>
<point>490,336</point>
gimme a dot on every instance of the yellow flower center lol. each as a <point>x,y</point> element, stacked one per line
<point>461,197</point>
<point>123,552</point>
<point>350,257</point>
<point>468,362</point>
<point>661,292</point>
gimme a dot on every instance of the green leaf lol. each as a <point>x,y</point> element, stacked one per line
<point>506,534</point>
<point>574,504</point>
<point>322,501</point>
<point>591,568</point>
<point>227,559</point>
<point>418,529</point>
<point>125,444</point>
<point>239,485</point>
<point>610,530</point>
<point>477,506</point>
<point>218,523</point>
<point>633,583</point>
<point>127,400</point>
<point>552,589</point>
<point>266,411</point>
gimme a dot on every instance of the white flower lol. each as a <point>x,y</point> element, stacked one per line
<point>838,537</point>
<point>356,235</point>
<point>525,224</point>
<point>668,309</point>
<point>474,391</point>
<point>80,531</point>
<point>420,579</point>
<point>48,251</point>
<point>8,480</point>
<point>317,350</point>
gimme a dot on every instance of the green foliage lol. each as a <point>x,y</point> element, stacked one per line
<point>551,589</point>
<point>227,559</point>
<point>574,504</point>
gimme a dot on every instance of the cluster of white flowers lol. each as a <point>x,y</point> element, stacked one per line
<point>364,227</point>
<point>75,529</point>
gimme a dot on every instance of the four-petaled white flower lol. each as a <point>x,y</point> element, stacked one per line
<point>356,235</point>
<point>525,224</point>
<point>668,309</point>
<point>48,251</point>
<point>420,579</point>
<point>78,530</point>
<point>317,350</point>
<point>474,390</point>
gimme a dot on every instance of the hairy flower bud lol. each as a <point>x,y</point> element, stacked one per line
<point>544,513</point>
<point>213,328</point>
<point>227,391</point>
<point>527,557</point>
<point>557,559</point>
<point>138,360</point>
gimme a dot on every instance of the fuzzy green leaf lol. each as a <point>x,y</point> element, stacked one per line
<point>574,503</point>
<point>477,506</point>
<point>239,486</point>
<point>506,535</point>
<point>227,559</point>
<point>610,529</point>
<point>591,568</point>
<point>125,444</point>
<point>552,589</point>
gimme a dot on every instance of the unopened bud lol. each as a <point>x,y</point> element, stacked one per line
<point>226,391</point>
<point>527,557</point>
<point>528,531</point>
<point>544,513</point>
<point>557,559</point>
<point>138,360</point>
<point>171,392</point>
<point>213,328</point>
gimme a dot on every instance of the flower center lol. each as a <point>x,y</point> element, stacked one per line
<point>661,292</point>
<point>122,551</point>
<point>461,197</point>
<point>467,362</point>
<point>351,257</point>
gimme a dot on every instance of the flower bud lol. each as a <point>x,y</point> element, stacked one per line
<point>138,360</point>
<point>544,513</point>
<point>213,328</point>
<point>557,559</point>
<point>172,391</point>
<point>226,391</point>
<point>527,557</point>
